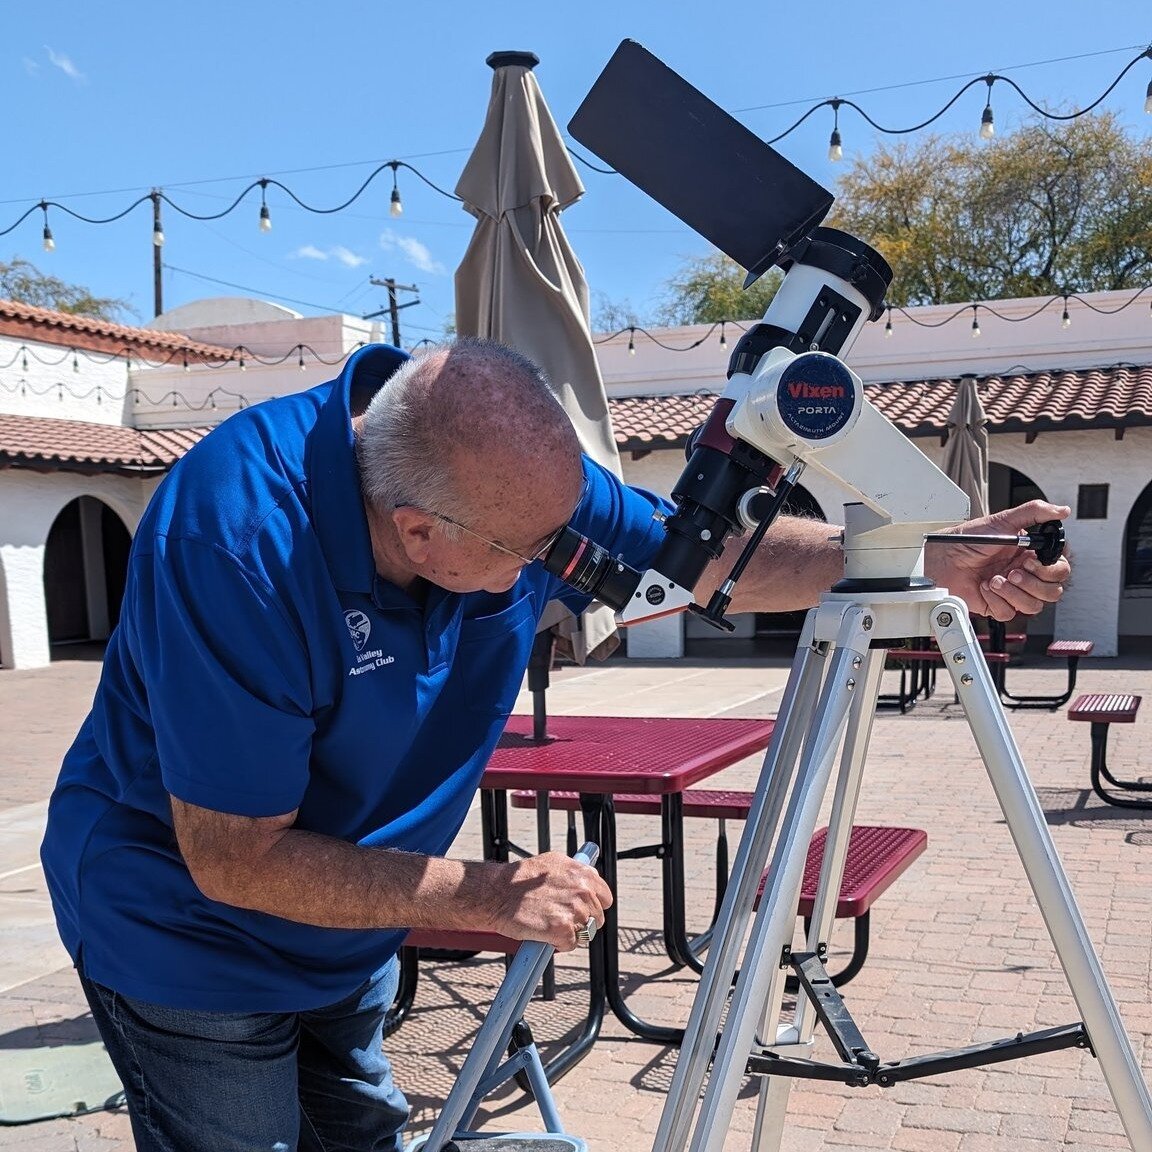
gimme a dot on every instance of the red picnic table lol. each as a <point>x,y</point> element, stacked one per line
<point>599,757</point>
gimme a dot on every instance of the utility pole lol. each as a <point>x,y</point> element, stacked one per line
<point>157,259</point>
<point>393,308</point>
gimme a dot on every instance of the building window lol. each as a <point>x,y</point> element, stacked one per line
<point>1138,543</point>
<point>1092,502</point>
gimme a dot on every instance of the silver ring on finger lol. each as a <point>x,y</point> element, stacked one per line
<point>586,932</point>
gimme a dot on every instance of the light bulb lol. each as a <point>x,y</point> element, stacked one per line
<point>723,338</point>
<point>397,206</point>
<point>265,219</point>
<point>888,328</point>
<point>835,150</point>
<point>975,327</point>
<point>1065,320</point>
<point>631,344</point>
<point>158,237</point>
<point>49,243</point>
<point>1148,99</point>
<point>987,124</point>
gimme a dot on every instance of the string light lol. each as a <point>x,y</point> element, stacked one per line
<point>987,123</point>
<point>837,102</point>
<point>240,355</point>
<point>835,148</point>
<point>265,215</point>
<point>49,243</point>
<point>396,207</point>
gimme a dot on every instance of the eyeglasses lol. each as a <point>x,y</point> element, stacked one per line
<point>538,553</point>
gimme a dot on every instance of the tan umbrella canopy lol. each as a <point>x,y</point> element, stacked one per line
<point>521,283</point>
<point>966,453</point>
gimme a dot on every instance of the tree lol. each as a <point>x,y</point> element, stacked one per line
<point>708,289</point>
<point>26,284</point>
<point>610,315</point>
<point>1050,209</point>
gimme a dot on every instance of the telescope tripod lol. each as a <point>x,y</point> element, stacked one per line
<point>828,706</point>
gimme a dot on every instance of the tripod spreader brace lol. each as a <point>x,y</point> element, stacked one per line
<point>860,1067</point>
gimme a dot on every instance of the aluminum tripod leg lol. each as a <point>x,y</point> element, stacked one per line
<point>1025,819</point>
<point>728,937</point>
<point>760,986</point>
<point>772,1100</point>
<point>835,652</point>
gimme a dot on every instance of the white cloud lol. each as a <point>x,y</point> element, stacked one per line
<point>310,252</point>
<point>347,258</point>
<point>344,255</point>
<point>414,252</point>
<point>64,63</point>
<point>30,66</point>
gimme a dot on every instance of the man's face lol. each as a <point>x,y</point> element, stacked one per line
<point>487,547</point>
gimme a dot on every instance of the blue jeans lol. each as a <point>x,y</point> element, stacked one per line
<point>256,1082</point>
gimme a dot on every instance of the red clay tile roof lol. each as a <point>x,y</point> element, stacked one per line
<point>1118,397</point>
<point>49,445</point>
<point>24,322</point>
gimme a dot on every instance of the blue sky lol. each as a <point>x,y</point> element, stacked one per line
<point>105,102</point>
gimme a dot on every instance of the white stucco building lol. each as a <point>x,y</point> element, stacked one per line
<point>92,415</point>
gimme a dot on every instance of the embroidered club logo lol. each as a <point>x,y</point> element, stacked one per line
<point>359,626</point>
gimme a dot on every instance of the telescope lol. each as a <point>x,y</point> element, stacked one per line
<point>790,402</point>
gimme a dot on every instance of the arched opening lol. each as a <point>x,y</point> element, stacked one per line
<point>1134,626</point>
<point>85,567</point>
<point>1007,488</point>
<point>1138,544</point>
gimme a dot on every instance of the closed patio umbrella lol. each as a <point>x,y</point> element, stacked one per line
<point>520,282</point>
<point>966,453</point>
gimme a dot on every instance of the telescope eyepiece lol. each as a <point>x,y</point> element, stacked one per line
<point>591,569</point>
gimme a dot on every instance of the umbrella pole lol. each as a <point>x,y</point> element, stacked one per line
<point>539,665</point>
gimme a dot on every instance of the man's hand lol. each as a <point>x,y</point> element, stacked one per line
<point>548,897</point>
<point>1001,582</point>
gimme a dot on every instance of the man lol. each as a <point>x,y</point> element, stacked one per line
<point>330,606</point>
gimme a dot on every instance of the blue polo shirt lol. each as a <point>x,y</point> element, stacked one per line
<point>260,666</point>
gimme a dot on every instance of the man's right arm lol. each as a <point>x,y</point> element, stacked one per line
<point>267,865</point>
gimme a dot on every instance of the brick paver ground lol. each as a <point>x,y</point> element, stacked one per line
<point>959,951</point>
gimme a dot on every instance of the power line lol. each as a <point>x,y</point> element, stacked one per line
<point>251,291</point>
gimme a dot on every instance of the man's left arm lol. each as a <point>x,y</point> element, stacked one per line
<point>800,559</point>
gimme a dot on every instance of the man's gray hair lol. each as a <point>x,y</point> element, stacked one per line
<point>411,427</point>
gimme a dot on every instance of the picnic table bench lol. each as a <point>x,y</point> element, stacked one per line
<point>1101,710</point>
<point>877,855</point>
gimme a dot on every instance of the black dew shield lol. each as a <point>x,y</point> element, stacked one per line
<point>696,160</point>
